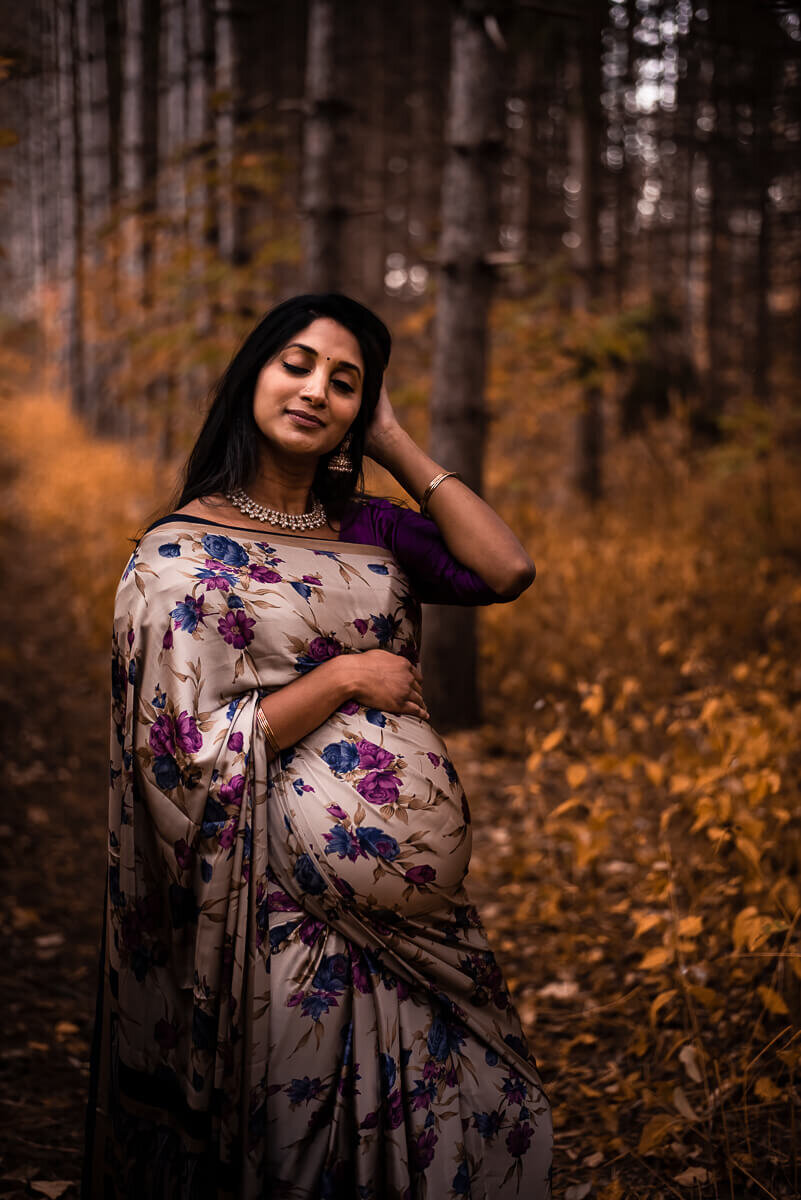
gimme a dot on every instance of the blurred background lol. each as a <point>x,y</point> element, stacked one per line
<point>582,222</point>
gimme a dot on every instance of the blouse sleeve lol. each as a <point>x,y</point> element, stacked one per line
<point>415,540</point>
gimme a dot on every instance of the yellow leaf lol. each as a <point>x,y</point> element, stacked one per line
<point>655,772</point>
<point>654,1133</point>
<point>576,773</point>
<point>690,926</point>
<point>646,921</point>
<point>704,995</point>
<point>773,1002</point>
<point>766,1089</point>
<point>65,1028</point>
<point>748,849</point>
<point>680,783</point>
<point>595,701</point>
<point>553,739</point>
<point>660,956</point>
<point>659,1002</point>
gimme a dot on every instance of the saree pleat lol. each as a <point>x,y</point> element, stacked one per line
<point>297,997</point>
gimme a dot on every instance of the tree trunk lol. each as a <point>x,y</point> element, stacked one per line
<point>324,147</point>
<point>583,133</point>
<point>458,417</point>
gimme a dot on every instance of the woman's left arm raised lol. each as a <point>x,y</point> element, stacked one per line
<point>471,529</point>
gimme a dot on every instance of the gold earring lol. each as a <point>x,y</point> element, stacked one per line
<point>342,461</point>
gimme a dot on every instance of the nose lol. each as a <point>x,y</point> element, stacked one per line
<point>315,388</point>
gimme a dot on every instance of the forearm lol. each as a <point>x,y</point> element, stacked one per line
<point>303,705</point>
<point>472,530</point>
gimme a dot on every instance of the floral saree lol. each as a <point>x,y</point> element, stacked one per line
<point>297,998</point>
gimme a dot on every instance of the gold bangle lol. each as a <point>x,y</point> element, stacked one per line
<point>267,730</point>
<point>435,482</point>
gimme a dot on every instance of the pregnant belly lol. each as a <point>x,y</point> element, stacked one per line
<point>378,804</point>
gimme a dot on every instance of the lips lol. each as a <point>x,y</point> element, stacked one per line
<point>304,418</point>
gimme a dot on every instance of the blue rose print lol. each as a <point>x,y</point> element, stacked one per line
<point>377,842</point>
<point>188,614</point>
<point>165,770</point>
<point>224,549</point>
<point>443,1039</point>
<point>378,568</point>
<point>332,973</point>
<point>170,550</point>
<point>302,589</point>
<point>308,876</point>
<point>375,716</point>
<point>341,757</point>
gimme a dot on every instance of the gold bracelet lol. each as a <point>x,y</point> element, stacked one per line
<point>435,482</point>
<point>267,730</point>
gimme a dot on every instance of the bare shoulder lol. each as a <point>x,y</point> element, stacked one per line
<point>207,506</point>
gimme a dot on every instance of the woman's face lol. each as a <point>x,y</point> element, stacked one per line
<point>308,395</point>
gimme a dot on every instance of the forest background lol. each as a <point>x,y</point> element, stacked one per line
<point>582,221</point>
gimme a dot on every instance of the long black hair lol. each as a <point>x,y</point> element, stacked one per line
<point>225,454</point>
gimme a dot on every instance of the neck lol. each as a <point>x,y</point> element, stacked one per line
<point>284,485</point>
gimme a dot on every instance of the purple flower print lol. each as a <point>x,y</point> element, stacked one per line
<point>423,1093</point>
<point>348,708</point>
<point>264,574</point>
<point>187,735</point>
<point>183,854</point>
<point>188,614</point>
<point>334,810</point>
<point>236,628</point>
<point>395,1109</point>
<point>422,874</point>
<point>236,742</point>
<point>162,735</point>
<point>379,787</point>
<point>166,642</point>
<point>518,1139</point>
<point>312,579</point>
<point>423,1150</point>
<point>343,843</point>
<point>215,579</point>
<point>310,930</point>
<point>515,1088</point>
<point>321,648</point>
<point>228,835</point>
<point>231,791</point>
<point>371,755</point>
<point>280,902</point>
<point>433,758</point>
<point>360,625</point>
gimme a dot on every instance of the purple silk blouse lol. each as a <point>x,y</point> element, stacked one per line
<point>436,576</point>
<point>416,542</point>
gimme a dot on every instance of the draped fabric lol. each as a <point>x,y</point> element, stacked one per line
<point>297,997</point>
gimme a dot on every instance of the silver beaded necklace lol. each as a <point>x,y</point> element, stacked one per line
<point>308,520</point>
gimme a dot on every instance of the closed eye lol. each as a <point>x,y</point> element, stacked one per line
<point>341,384</point>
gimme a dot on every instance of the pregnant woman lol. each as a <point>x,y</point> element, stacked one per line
<point>297,998</point>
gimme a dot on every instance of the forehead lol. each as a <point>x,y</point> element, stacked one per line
<point>331,339</point>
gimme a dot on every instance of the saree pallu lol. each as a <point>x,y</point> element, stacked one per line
<point>297,998</point>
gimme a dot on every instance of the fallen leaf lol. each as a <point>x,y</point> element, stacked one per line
<point>578,1191</point>
<point>683,1104</point>
<point>53,1189</point>
<point>766,1089</point>
<point>692,1175</point>
<point>655,1133</point>
<point>688,1057</point>
<point>560,989</point>
<point>773,1002</point>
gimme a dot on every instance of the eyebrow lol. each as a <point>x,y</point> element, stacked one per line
<point>311,350</point>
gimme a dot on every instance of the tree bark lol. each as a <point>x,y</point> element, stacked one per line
<point>458,416</point>
<point>584,146</point>
<point>324,149</point>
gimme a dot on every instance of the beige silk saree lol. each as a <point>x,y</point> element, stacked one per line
<point>297,998</point>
